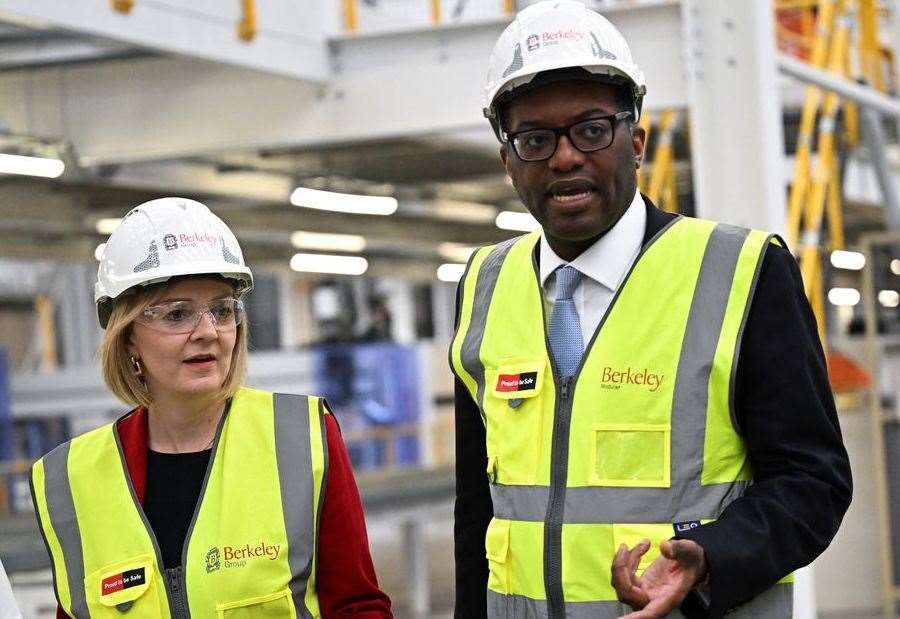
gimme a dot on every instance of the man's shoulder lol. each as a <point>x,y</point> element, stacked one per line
<point>496,252</point>
<point>780,265</point>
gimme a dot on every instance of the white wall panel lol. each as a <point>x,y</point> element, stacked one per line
<point>407,84</point>
<point>290,38</point>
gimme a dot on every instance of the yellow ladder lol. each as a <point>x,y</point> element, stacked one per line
<point>661,187</point>
<point>815,192</point>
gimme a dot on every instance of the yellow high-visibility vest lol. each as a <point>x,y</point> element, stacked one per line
<point>250,550</point>
<point>640,443</point>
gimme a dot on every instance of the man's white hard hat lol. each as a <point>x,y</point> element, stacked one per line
<point>553,35</point>
<point>165,238</point>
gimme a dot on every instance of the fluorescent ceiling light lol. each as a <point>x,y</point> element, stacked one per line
<point>329,263</point>
<point>98,252</point>
<point>328,242</point>
<point>450,272</point>
<point>457,252</point>
<point>458,210</point>
<point>520,222</point>
<point>895,266</point>
<point>107,225</point>
<point>843,296</point>
<point>343,202</point>
<point>889,298</point>
<point>31,166</point>
<point>850,260</point>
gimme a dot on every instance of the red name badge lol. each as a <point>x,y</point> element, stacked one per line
<point>516,382</point>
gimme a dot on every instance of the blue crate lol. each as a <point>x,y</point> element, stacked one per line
<point>371,385</point>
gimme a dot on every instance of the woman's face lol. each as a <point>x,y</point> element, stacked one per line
<point>185,365</point>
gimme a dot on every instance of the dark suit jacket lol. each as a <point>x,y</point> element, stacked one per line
<point>801,482</point>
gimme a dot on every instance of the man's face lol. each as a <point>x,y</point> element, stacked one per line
<point>575,196</point>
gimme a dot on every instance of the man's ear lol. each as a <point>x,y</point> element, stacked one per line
<point>638,142</point>
<point>504,155</point>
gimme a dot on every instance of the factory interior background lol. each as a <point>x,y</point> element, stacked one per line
<point>343,142</point>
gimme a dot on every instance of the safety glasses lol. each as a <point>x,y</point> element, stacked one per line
<point>184,316</point>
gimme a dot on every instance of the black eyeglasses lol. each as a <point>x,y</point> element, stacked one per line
<point>585,135</point>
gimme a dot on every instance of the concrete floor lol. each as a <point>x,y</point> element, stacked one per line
<point>388,553</point>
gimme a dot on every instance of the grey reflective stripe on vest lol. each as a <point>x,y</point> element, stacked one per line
<point>61,508</point>
<point>774,603</point>
<point>484,289</point>
<point>294,456</point>
<point>608,505</point>
<point>501,606</point>
<point>698,351</point>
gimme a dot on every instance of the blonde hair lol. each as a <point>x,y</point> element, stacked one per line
<point>118,371</point>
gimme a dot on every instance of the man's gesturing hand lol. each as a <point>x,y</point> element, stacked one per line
<point>664,584</point>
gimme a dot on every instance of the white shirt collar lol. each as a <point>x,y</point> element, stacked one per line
<point>606,261</point>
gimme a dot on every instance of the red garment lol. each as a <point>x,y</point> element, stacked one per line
<point>345,579</point>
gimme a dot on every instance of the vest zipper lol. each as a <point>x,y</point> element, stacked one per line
<point>137,504</point>
<point>556,608</point>
<point>175,581</point>
<point>564,388</point>
<point>559,443</point>
<point>182,571</point>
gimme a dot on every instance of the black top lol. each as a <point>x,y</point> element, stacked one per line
<point>173,486</point>
<point>784,407</point>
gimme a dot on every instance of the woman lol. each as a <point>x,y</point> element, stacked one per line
<point>209,499</point>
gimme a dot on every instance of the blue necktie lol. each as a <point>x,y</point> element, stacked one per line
<point>566,340</point>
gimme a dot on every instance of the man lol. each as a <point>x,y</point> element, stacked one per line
<point>646,392</point>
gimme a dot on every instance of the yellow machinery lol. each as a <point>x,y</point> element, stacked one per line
<point>815,194</point>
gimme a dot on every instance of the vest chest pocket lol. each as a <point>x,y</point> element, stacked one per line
<point>127,586</point>
<point>514,409</point>
<point>631,455</point>
<point>272,606</point>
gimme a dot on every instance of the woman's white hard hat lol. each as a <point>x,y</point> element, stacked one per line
<point>165,238</point>
<point>553,35</point>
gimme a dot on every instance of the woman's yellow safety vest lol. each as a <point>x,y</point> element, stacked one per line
<point>640,443</point>
<point>250,550</point>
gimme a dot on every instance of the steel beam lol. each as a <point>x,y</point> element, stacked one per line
<point>736,133</point>
<point>870,122</point>
<point>41,52</point>
<point>863,95</point>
